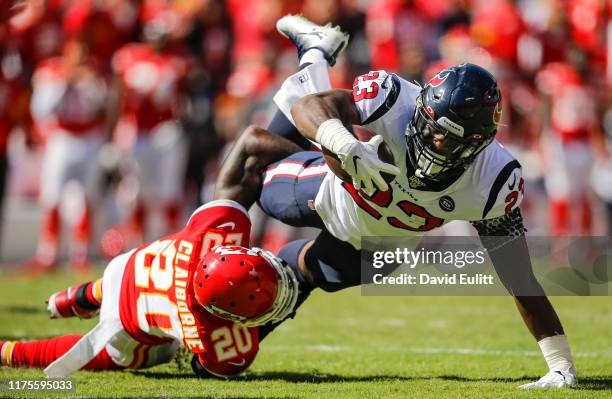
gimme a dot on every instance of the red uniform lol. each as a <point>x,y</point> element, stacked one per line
<point>573,111</point>
<point>152,83</point>
<point>36,31</point>
<point>14,100</point>
<point>152,92</point>
<point>567,152</point>
<point>157,303</point>
<point>105,26</point>
<point>148,308</point>
<point>78,107</point>
<point>68,104</point>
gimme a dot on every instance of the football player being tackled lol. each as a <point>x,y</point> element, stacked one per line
<point>447,165</point>
<point>199,288</point>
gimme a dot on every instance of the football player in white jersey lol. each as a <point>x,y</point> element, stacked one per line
<point>447,166</point>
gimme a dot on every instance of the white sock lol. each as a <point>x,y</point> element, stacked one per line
<point>311,56</point>
<point>557,353</point>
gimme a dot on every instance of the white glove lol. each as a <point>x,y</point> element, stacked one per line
<point>361,162</point>
<point>553,379</point>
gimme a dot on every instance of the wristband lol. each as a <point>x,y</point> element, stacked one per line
<point>332,135</point>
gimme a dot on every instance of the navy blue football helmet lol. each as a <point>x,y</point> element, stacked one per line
<point>456,116</point>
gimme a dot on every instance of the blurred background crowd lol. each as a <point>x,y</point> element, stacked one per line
<point>115,114</point>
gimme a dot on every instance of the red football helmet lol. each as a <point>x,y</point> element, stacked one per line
<point>249,286</point>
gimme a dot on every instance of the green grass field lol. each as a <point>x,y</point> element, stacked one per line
<point>346,345</point>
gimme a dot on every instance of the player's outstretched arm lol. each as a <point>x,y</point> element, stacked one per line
<point>240,176</point>
<point>311,111</point>
<point>323,117</point>
<point>504,238</point>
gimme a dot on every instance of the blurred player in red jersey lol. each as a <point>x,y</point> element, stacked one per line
<point>104,25</point>
<point>150,95</point>
<point>198,288</point>
<point>571,123</point>
<point>68,104</point>
<point>36,31</point>
<point>14,112</point>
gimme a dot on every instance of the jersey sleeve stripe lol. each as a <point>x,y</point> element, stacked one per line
<point>389,101</point>
<point>501,179</point>
<point>221,202</point>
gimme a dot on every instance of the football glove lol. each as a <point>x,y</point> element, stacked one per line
<point>360,160</point>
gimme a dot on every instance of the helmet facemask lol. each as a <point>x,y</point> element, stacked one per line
<point>436,152</point>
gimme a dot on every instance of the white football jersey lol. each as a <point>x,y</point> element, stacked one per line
<point>491,187</point>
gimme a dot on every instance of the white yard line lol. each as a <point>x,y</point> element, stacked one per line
<point>425,351</point>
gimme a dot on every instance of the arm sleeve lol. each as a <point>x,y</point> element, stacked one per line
<point>374,94</point>
<point>496,232</point>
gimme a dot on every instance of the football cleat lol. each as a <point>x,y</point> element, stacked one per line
<point>553,379</point>
<point>307,35</point>
<point>64,304</point>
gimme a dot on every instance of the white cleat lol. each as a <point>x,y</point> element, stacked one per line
<point>307,35</point>
<point>553,379</point>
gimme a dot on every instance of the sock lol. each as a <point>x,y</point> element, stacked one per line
<point>586,217</point>
<point>48,246</point>
<point>557,353</point>
<point>90,296</point>
<point>81,234</point>
<point>137,220</point>
<point>82,228</point>
<point>43,352</point>
<point>310,57</point>
<point>558,212</point>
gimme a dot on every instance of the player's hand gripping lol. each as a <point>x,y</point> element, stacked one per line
<point>361,162</point>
